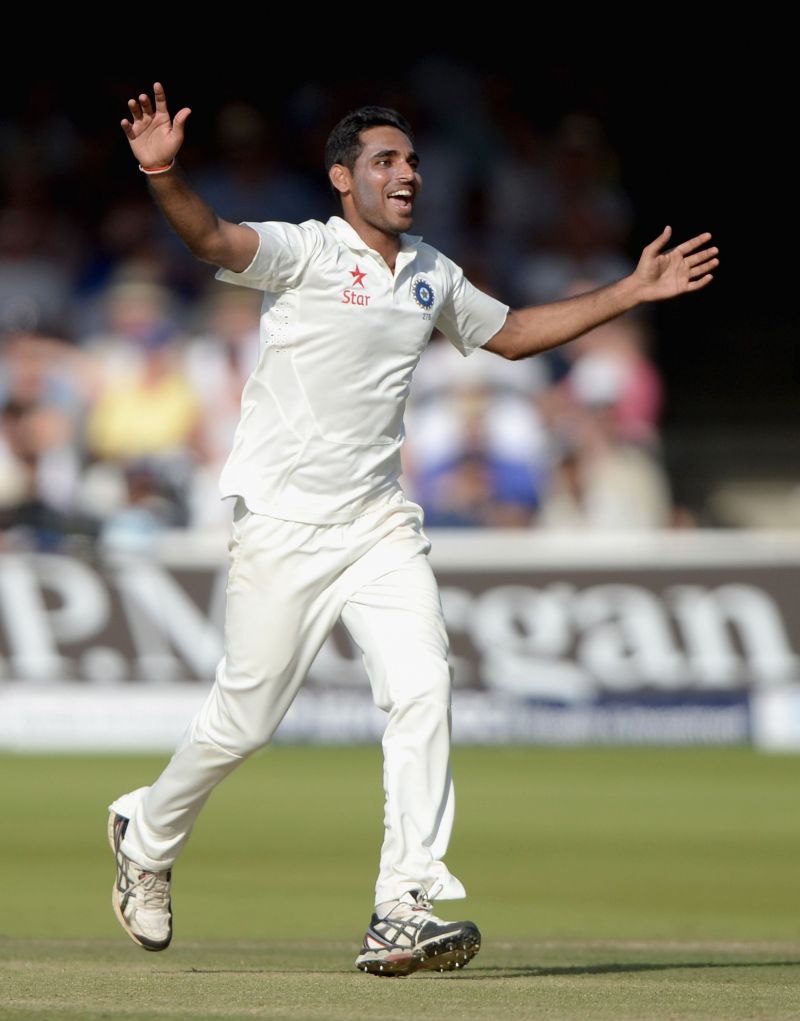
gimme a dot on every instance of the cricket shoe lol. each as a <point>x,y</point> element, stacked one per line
<point>141,898</point>
<point>411,938</point>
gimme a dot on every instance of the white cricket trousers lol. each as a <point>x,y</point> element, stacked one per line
<point>288,584</point>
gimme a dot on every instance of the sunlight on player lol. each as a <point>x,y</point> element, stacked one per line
<point>322,530</point>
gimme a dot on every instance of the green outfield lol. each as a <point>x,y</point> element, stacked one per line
<point>608,883</point>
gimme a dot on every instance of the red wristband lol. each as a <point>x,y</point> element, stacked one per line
<point>159,170</point>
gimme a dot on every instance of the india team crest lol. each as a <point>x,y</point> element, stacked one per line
<point>423,293</point>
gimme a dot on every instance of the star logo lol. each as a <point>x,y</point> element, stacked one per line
<point>358,277</point>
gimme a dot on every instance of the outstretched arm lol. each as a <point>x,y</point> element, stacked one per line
<point>155,139</point>
<point>659,274</point>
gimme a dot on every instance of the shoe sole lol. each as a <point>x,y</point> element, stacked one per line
<point>444,953</point>
<point>140,941</point>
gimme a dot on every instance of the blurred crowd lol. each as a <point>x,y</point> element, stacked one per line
<point>122,360</point>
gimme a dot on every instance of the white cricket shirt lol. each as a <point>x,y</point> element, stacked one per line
<point>322,413</point>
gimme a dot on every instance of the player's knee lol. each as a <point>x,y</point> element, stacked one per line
<point>244,743</point>
<point>440,683</point>
<point>234,735</point>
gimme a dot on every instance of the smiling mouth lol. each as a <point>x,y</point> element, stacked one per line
<point>403,199</point>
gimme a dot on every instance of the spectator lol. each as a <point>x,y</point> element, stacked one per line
<point>42,402</point>
<point>146,408</point>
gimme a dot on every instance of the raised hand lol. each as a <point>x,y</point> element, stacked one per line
<point>154,136</point>
<point>687,267</point>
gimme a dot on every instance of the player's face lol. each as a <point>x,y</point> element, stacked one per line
<point>385,180</point>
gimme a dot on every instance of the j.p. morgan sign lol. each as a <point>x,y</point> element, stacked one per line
<point>570,638</point>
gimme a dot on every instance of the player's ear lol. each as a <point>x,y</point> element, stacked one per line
<point>340,177</point>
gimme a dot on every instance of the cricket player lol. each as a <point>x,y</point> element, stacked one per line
<point>321,528</point>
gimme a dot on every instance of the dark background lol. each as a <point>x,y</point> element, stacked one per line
<point>704,143</point>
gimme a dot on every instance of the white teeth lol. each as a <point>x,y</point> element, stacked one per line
<point>405,194</point>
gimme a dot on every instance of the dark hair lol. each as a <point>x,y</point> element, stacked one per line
<point>344,142</point>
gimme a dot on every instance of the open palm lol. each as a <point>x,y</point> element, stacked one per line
<point>686,267</point>
<point>154,136</point>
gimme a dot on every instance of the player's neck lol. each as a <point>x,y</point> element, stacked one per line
<point>384,243</point>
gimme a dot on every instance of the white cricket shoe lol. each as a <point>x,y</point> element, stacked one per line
<point>141,899</point>
<point>411,938</point>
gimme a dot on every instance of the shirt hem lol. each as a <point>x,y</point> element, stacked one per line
<point>304,515</point>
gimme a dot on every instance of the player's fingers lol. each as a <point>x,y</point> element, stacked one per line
<point>135,109</point>
<point>145,103</point>
<point>689,246</point>
<point>160,97</point>
<point>180,119</point>
<point>658,243</point>
<point>698,257</point>
<point>127,128</point>
<point>695,285</point>
<point>703,267</point>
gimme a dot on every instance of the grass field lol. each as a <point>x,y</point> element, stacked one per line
<point>608,883</point>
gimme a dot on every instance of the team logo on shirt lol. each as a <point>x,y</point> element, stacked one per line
<point>350,296</point>
<point>423,293</point>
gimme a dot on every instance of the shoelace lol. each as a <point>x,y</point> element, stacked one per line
<point>155,890</point>
<point>425,897</point>
<point>422,903</point>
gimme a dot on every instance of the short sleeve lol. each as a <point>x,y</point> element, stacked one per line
<point>284,250</point>
<point>469,317</point>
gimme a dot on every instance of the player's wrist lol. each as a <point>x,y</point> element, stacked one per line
<point>158,170</point>
<point>631,291</point>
